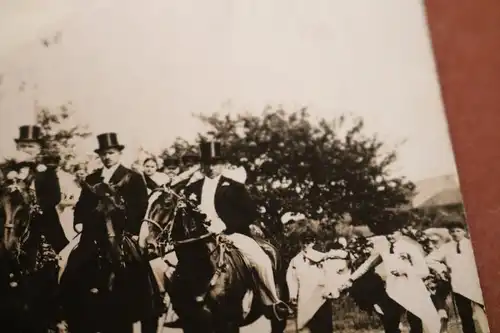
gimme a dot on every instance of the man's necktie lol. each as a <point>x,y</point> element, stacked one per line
<point>391,248</point>
<point>458,248</point>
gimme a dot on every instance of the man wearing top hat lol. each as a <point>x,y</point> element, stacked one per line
<point>139,288</point>
<point>230,209</point>
<point>134,191</point>
<point>45,183</point>
<point>458,256</point>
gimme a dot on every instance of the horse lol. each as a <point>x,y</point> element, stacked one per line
<point>28,264</point>
<point>212,280</point>
<point>107,284</point>
<point>153,237</point>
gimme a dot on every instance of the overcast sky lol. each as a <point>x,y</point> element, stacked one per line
<point>141,68</point>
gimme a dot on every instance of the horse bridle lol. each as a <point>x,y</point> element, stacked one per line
<point>9,227</point>
<point>169,225</point>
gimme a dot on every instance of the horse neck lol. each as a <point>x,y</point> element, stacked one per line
<point>199,258</point>
<point>201,250</point>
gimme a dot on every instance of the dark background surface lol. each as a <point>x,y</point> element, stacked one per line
<point>466,41</point>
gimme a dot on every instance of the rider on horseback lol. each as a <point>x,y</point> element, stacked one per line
<point>139,297</point>
<point>45,183</point>
<point>230,209</point>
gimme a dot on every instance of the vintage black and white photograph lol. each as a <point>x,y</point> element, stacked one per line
<point>227,166</point>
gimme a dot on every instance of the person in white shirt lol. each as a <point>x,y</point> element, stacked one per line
<point>406,268</point>
<point>313,277</point>
<point>230,210</point>
<point>458,256</point>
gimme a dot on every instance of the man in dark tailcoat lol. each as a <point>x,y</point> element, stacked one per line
<point>231,210</point>
<point>138,298</point>
<point>133,191</point>
<point>45,182</point>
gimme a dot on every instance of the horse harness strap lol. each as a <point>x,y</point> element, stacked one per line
<point>221,243</point>
<point>156,224</point>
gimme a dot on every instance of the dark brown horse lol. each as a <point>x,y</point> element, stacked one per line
<point>107,284</point>
<point>211,278</point>
<point>158,222</point>
<point>28,265</point>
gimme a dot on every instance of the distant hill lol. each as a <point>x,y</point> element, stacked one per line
<point>437,191</point>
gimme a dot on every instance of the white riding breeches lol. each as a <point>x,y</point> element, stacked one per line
<point>260,261</point>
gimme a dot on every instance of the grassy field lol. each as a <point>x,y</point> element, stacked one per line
<point>453,327</point>
<point>347,318</point>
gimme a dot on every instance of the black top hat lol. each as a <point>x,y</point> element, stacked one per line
<point>190,157</point>
<point>29,133</point>
<point>108,141</point>
<point>171,161</point>
<point>210,152</point>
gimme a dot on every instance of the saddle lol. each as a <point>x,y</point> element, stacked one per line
<point>243,266</point>
<point>247,274</point>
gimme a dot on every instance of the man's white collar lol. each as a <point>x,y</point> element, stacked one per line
<point>108,173</point>
<point>213,180</point>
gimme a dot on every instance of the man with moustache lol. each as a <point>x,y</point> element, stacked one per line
<point>140,291</point>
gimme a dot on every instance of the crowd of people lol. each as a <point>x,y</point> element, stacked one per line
<point>316,276</point>
<point>416,272</point>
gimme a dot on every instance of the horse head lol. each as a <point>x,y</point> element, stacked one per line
<point>157,222</point>
<point>189,223</point>
<point>18,202</point>
<point>112,207</point>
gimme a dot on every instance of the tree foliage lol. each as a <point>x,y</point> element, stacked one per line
<point>320,168</point>
<point>60,136</point>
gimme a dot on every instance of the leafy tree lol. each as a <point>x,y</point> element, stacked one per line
<point>60,136</point>
<point>179,148</point>
<point>320,168</point>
